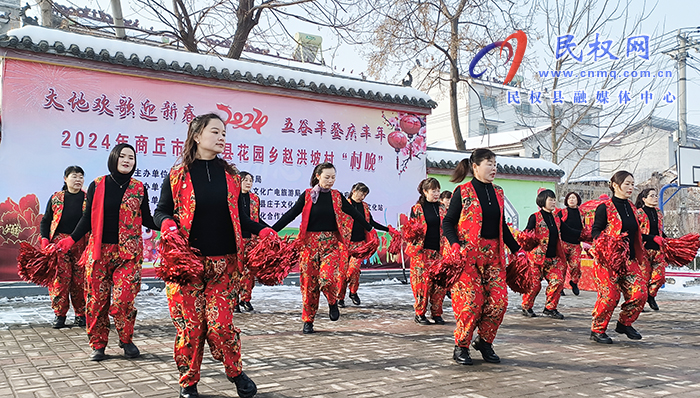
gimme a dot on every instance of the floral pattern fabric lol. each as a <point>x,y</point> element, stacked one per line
<point>657,271</point>
<point>115,277</point>
<point>350,273</point>
<point>552,270</point>
<point>202,311</point>
<point>633,286</point>
<point>58,200</point>
<point>69,285</point>
<point>425,291</point>
<point>572,254</point>
<point>480,297</point>
<point>319,264</point>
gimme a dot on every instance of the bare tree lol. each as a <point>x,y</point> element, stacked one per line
<point>440,36</point>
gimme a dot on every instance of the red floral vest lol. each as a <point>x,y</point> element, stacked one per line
<point>57,201</point>
<point>615,228</point>
<point>542,233</point>
<point>343,221</point>
<point>185,203</point>
<point>417,213</point>
<point>130,221</point>
<point>471,218</point>
<point>643,221</point>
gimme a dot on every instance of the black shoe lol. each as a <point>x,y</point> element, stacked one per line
<point>652,303</point>
<point>553,314</point>
<point>355,298</point>
<point>59,322</point>
<point>563,293</point>
<point>245,387</point>
<point>574,288</point>
<point>529,313</point>
<point>333,312</point>
<point>189,391</point>
<point>601,338</point>
<point>247,306</point>
<point>438,320</point>
<point>98,354</point>
<point>628,330</point>
<point>449,294</point>
<point>486,350</point>
<point>461,356</point>
<point>341,303</point>
<point>79,321</point>
<point>308,328</point>
<point>237,310</point>
<point>421,319</point>
<point>130,350</point>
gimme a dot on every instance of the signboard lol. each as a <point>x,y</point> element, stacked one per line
<point>54,116</point>
<point>688,166</point>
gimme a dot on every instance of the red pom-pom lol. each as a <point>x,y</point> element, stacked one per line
<point>179,263</point>
<point>586,234</point>
<point>527,240</point>
<point>368,248</point>
<point>446,271</point>
<point>396,241</point>
<point>681,251</point>
<point>611,252</point>
<point>412,231</point>
<point>272,258</point>
<point>520,274</point>
<point>37,266</point>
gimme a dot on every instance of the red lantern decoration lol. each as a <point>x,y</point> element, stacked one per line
<point>410,124</point>
<point>398,141</point>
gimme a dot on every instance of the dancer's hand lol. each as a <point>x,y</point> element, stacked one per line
<point>168,225</point>
<point>44,243</point>
<point>521,253</point>
<point>456,248</point>
<point>65,244</point>
<point>265,232</point>
<point>659,240</point>
<point>393,230</point>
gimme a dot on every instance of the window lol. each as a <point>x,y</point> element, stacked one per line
<point>523,108</point>
<point>488,101</point>
<point>487,128</point>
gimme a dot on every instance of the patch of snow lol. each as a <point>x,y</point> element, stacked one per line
<point>513,161</point>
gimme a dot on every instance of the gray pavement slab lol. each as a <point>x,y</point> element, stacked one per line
<point>374,350</point>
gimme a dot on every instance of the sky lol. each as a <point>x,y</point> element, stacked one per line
<point>669,15</point>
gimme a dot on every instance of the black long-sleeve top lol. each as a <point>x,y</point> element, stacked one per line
<point>490,214</point>
<point>627,215</point>
<point>244,206</point>
<point>572,234</point>
<point>72,212</point>
<point>114,194</point>
<point>648,239</point>
<point>431,213</point>
<point>553,231</point>
<point>322,215</point>
<point>212,229</point>
<point>358,231</point>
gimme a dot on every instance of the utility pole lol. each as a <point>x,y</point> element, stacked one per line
<point>682,104</point>
<point>118,19</point>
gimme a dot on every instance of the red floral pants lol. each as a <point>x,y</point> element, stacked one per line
<point>573,260</point>
<point>320,266</point>
<point>633,285</point>
<point>202,311</point>
<point>425,291</point>
<point>480,297</point>
<point>553,271</point>
<point>115,277</point>
<point>69,285</point>
<point>657,271</point>
<point>247,281</point>
<point>350,275</point>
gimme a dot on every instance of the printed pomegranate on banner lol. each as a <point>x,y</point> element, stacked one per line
<point>408,138</point>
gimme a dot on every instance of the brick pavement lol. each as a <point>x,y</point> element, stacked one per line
<point>374,350</point>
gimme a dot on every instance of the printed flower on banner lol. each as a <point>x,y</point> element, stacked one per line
<point>150,254</point>
<point>408,137</point>
<point>19,222</point>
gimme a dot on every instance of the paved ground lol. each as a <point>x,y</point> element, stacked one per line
<point>373,350</point>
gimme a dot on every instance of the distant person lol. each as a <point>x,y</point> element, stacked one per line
<point>651,223</point>
<point>445,198</point>
<point>570,240</point>
<point>63,211</point>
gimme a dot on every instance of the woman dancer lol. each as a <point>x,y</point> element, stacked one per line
<point>445,198</point>
<point>651,223</point>
<point>64,210</point>
<point>548,256</point>
<point>615,217</point>
<point>199,199</point>
<point>351,279</point>
<point>475,223</point>
<point>116,208</point>
<point>429,212</point>
<point>325,230</point>
<point>249,203</point>
<point>570,240</point>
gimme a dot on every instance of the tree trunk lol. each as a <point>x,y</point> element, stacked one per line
<point>246,23</point>
<point>454,79</point>
<point>46,14</point>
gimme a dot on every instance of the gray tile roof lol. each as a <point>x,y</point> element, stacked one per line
<point>448,159</point>
<point>112,51</point>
